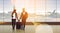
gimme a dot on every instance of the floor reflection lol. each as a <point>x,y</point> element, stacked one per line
<point>44,29</point>
<point>18,31</point>
<point>8,29</point>
<point>30,29</point>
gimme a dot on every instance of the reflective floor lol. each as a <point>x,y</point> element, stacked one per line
<point>31,29</point>
<point>8,29</point>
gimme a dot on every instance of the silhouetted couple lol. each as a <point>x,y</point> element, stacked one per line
<point>23,17</point>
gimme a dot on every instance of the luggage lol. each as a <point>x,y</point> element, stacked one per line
<point>18,25</point>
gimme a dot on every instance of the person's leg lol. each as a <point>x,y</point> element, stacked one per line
<point>24,21</point>
<point>13,23</point>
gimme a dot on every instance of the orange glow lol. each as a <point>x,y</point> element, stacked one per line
<point>2,22</point>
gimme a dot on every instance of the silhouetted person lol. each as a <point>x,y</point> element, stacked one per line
<point>24,16</point>
<point>14,17</point>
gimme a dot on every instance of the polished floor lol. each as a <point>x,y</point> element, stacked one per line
<point>42,28</point>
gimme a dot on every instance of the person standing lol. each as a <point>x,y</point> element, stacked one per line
<point>14,17</point>
<point>24,16</point>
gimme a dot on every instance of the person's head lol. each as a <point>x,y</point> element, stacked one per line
<point>14,10</point>
<point>23,10</point>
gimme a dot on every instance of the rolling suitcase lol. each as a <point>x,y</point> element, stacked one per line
<point>18,25</point>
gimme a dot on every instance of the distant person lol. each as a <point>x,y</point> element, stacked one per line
<point>24,16</point>
<point>14,17</point>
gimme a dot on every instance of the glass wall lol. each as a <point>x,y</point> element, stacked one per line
<point>58,10</point>
<point>1,10</point>
<point>51,10</point>
<point>38,10</point>
<point>8,8</point>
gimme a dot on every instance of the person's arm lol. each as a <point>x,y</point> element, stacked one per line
<point>16,16</point>
<point>12,14</point>
<point>26,15</point>
<point>21,16</point>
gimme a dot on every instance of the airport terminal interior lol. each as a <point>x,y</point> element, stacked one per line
<point>43,16</point>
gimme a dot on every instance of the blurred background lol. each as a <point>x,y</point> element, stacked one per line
<point>38,10</point>
<point>43,15</point>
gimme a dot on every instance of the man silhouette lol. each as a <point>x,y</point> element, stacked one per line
<point>14,17</point>
<point>24,16</point>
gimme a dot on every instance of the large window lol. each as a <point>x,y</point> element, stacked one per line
<point>38,10</point>
<point>1,10</point>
